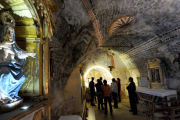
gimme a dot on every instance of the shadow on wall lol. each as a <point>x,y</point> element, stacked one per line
<point>134,73</point>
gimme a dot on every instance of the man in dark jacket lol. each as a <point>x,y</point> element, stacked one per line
<point>92,91</point>
<point>132,96</point>
<point>99,94</point>
<point>100,80</point>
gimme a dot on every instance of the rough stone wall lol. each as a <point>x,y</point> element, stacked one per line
<point>154,34</point>
<point>164,51</point>
<point>73,40</point>
<point>151,16</point>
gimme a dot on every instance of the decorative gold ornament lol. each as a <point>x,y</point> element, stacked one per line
<point>154,63</point>
<point>156,74</point>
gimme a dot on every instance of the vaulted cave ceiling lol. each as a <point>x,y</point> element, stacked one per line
<point>153,19</point>
<point>82,27</point>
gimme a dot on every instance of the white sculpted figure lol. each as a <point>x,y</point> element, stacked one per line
<point>7,44</point>
<point>11,75</point>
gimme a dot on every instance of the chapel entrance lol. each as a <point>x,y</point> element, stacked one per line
<point>97,72</point>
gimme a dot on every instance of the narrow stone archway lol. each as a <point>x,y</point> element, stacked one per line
<point>105,74</point>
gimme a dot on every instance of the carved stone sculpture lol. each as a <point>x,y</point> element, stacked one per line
<point>112,59</point>
<point>12,59</point>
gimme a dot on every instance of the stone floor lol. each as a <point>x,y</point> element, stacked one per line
<point>122,113</point>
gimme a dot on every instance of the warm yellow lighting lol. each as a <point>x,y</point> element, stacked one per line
<point>104,72</point>
<point>23,13</point>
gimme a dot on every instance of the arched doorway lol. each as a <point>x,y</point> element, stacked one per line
<point>96,72</point>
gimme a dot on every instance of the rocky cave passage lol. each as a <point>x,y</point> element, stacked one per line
<point>81,37</point>
<point>75,40</point>
<point>97,72</point>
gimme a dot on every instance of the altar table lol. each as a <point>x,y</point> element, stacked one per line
<point>147,94</point>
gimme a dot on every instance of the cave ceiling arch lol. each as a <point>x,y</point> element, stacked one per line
<point>156,25</point>
<point>82,27</point>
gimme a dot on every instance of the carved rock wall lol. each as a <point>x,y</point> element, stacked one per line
<point>73,40</point>
<point>154,34</point>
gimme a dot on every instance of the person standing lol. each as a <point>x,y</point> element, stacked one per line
<point>107,97</point>
<point>132,96</point>
<point>100,80</point>
<point>99,94</point>
<point>114,90</point>
<point>119,89</point>
<point>92,91</point>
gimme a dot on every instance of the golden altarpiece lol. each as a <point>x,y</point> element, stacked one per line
<point>156,74</point>
<point>33,31</point>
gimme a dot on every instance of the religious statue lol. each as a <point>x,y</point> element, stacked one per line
<point>112,59</point>
<point>6,45</point>
<point>12,60</point>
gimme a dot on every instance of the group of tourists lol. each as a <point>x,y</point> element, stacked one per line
<point>105,91</point>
